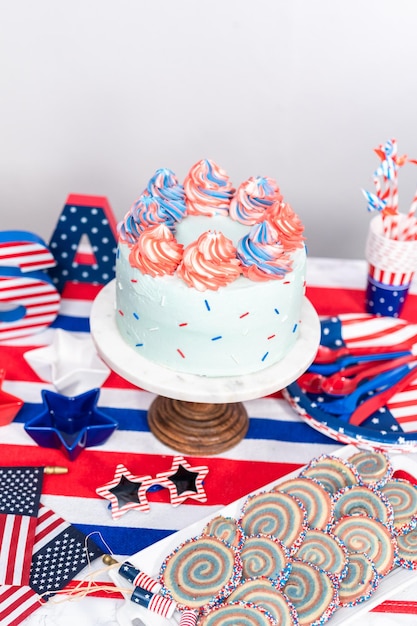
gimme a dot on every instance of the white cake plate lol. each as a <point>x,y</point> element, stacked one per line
<point>194,397</point>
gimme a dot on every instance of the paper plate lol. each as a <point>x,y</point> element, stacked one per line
<point>392,428</point>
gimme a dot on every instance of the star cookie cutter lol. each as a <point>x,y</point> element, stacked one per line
<point>70,423</point>
<point>70,363</point>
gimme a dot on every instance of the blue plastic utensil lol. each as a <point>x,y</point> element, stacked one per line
<point>349,403</point>
<point>330,368</point>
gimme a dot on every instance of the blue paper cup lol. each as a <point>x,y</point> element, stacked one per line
<point>383,299</point>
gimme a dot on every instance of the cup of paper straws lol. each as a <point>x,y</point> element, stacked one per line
<point>391,245</point>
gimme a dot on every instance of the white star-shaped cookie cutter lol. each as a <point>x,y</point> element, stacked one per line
<point>70,363</point>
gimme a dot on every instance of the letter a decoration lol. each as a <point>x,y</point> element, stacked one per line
<point>84,242</point>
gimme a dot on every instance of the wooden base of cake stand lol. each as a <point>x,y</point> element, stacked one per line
<point>197,428</point>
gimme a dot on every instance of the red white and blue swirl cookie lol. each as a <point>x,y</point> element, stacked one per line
<point>200,572</point>
<point>237,614</point>
<point>316,500</point>
<point>312,592</point>
<point>277,514</point>
<point>265,556</point>
<point>407,550</point>
<point>374,466</point>
<point>331,472</point>
<point>262,592</point>
<point>225,528</point>
<point>402,495</point>
<point>368,536</point>
<point>363,500</point>
<point>325,551</point>
<point>360,582</point>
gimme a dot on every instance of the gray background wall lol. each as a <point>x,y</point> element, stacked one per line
<point>97,94</point>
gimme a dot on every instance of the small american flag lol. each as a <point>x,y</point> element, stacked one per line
<point>20,491</point>
<point>60,552</point>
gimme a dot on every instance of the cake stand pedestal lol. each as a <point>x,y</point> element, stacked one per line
<point>193,414</point>
<point>197,427</point>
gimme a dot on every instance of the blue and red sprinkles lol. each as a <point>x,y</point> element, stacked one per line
<point>244,315</point>
<point>183,324</point>
<point>276,311</point>
<point>271,336</point>
<point>136,316</point>
<point>264,356</point>
<point>181,353</point>
<point>206,302</point>
<point>216,338</point>
<point>121,312</point>
<point>295,328</point>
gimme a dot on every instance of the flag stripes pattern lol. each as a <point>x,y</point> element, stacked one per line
<point>37,303</point>
<point>16,603</point>
<point>20,489</point>
<point>26,255</point>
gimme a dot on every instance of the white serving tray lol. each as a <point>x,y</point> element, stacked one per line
<point>151,558</point>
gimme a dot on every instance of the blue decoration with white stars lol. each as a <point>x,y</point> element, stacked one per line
<point>331,333</point>
<point>382,299</point>
<point>91,218</point>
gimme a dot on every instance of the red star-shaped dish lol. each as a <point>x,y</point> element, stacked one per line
<point>126,491</point>
<point>9,405</point>
<point>184,481</point>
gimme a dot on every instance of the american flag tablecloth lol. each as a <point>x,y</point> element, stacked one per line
<point>277,443</point>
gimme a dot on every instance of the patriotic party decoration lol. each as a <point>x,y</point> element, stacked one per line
<point>184,481</point>
<point>70,363</point>
<point>9,405</point>
<point>60,552</point>
<point>20,491</point>
<point>70,423</point>
<point>84,242</point>
<point>29,302</point>
<point>126,492</point>
<point>391,246</point>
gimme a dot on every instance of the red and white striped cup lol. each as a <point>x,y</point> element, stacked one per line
<point>391,265</point>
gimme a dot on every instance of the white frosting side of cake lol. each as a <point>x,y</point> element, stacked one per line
<point>238,329</point>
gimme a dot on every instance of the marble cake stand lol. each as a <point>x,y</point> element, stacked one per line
<point>196,414</point>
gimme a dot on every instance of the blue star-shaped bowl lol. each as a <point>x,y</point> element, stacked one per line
<point>70,423</point>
